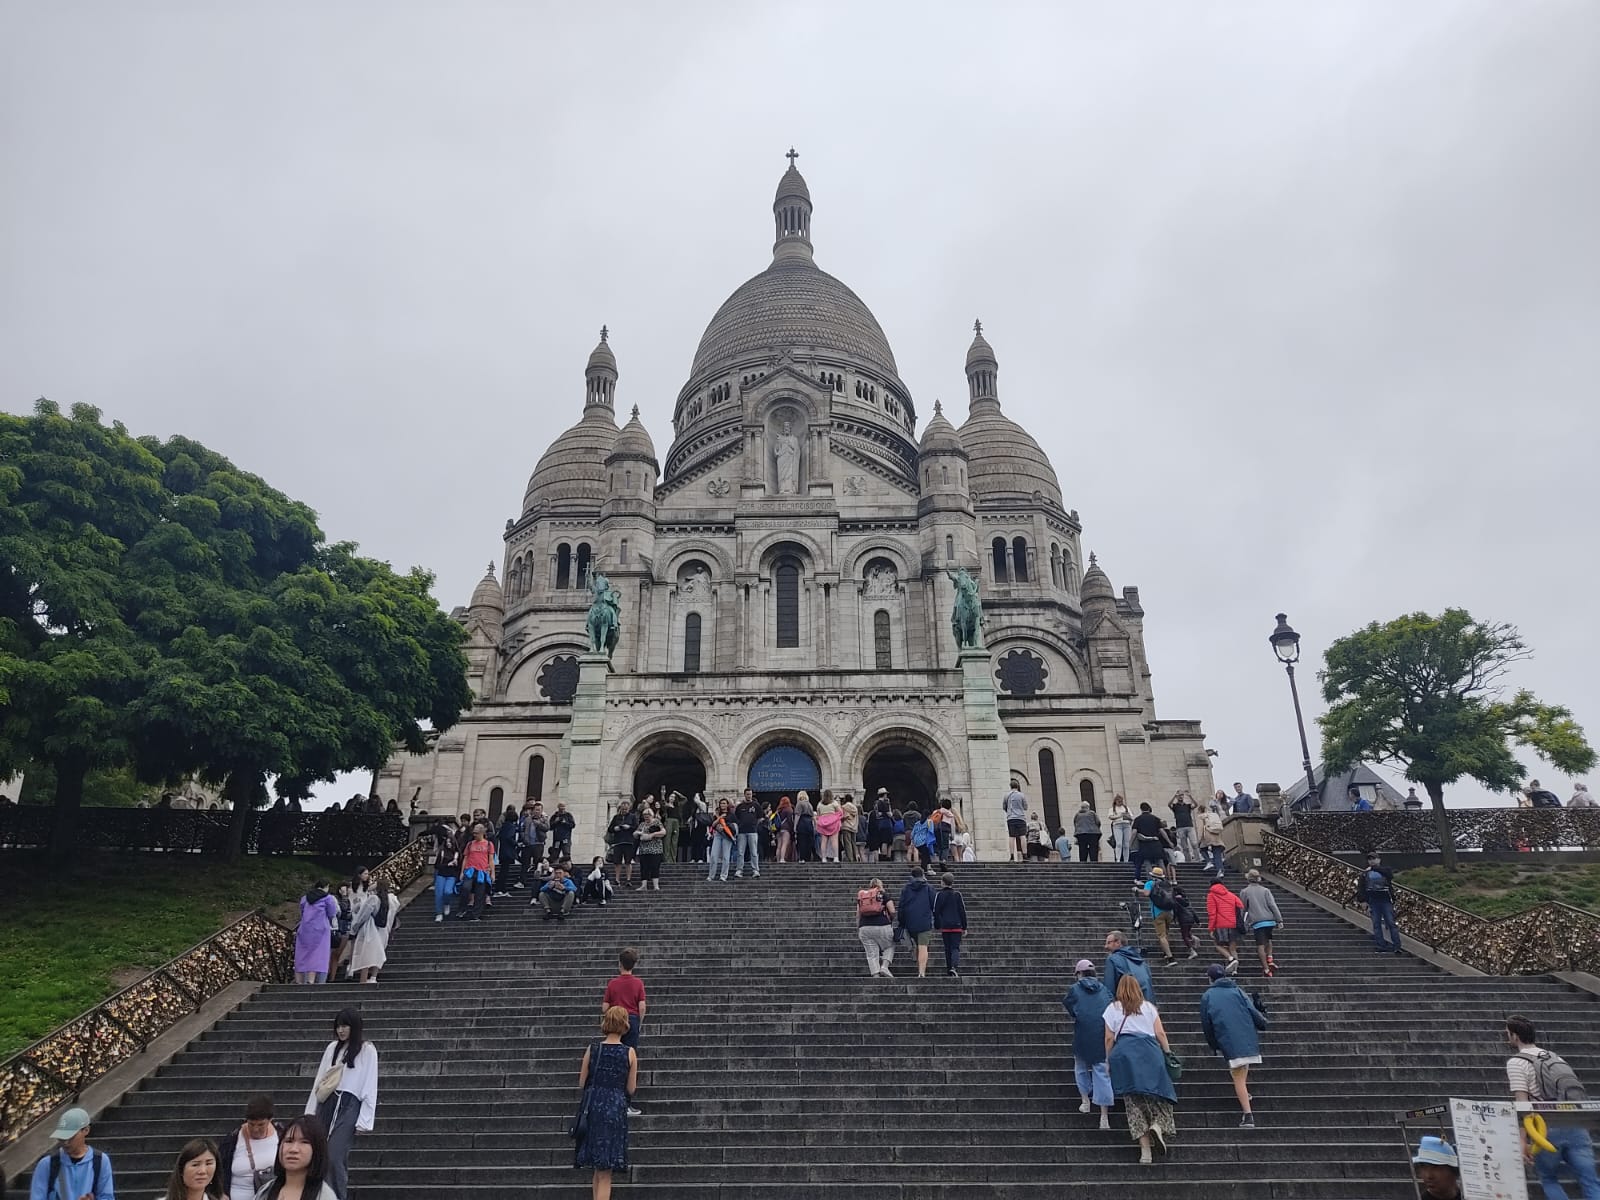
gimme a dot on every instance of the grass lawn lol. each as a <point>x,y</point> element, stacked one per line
<point>74,935</point>
<point>1500,889</point>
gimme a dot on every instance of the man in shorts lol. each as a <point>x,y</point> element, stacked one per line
<point>1015,807</point>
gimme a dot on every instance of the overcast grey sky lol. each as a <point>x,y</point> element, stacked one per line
<point>1303,300</point>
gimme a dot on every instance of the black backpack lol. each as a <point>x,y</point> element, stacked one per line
<point>381,917</point>
<point>1161,896</point>
<point>1557,1079</point>
<point>55,1171</point>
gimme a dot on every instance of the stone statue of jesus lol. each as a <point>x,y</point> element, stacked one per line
<point>786,455</point>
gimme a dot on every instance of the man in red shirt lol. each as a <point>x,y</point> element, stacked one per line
<point>627,990</point>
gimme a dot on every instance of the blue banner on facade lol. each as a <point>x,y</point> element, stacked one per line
<point>784,769</point>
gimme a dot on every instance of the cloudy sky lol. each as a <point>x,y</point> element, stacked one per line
<point>1302,300</point>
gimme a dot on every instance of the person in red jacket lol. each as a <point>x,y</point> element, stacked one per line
<point>1222,918</point>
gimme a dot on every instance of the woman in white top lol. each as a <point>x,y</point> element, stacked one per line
<point>1121,828</point>
<point>1136,1049</point>
<point>367,910</point>
<point>353,1100</point>
<point>302,1164</point>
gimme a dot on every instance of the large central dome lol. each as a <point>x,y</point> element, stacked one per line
<point>795,306</point>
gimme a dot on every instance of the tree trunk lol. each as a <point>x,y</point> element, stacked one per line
<point>240,791</point>
<point>1441,822</point>
<point>69,799</point>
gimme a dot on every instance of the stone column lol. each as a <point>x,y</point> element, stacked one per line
<point>582,753</point>
<point>988,753</point>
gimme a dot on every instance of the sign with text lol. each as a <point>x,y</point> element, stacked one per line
<point>1490,1149</point>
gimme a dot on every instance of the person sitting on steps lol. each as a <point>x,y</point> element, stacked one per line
<point>557,896</point>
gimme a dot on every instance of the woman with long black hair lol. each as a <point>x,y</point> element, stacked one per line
<point>303,1165</point>
<point>344,1094</point>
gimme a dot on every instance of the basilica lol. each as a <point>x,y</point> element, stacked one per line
<point>784,577</point>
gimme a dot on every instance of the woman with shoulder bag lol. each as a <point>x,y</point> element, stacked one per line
<point>1137,1052</point>
<point>608,1076</point>
<point>344,1095</point>
<point>369,913</point>
<point>651,835</point>
<point>303,1165</point>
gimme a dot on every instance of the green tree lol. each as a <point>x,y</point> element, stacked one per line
<point>1427,694</point>
<point>107,787</point>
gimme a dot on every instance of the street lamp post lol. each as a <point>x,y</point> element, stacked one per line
<point>1286,645</point>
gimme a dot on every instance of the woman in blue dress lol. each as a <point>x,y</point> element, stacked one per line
<point>611,1073</point>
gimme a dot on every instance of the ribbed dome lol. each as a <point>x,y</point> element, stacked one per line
<point>1006,461</point>
<point>940,437</point>
<point>572,470</point>
<point>634,442</point>
<point>1096,585</point>
<point>980,351</point>
<point>793,305</point>
<point>488,594</point>
<point>792,186</point>
<point>602,356</point>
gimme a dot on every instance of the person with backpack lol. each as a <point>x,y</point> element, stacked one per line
<point>916,916</point>
<point>73,1168</point>
<point>1224,916</point>
<point>1376,890</point>
<point>875,928</point>
<point>1262,917</point>
<point>369,954</point>
<point>923,839</point>
<point>950,919</point>
<point>1211,847</point>
<point>1086,1004</point>
<point>477,872</point>
<point>344,1094</point>
<point>1534,1073</point>
<point>1183,912</point>
<point>1159,893</point>
<point>1230,1020</point>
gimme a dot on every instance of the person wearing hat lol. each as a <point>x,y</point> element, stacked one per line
<point>1376,890</point>
<point>73,1169</point>
<point>1159,892</point>
<point>1086,1004</point>
<point>1438,1170</point>
<point>1229,1019</point>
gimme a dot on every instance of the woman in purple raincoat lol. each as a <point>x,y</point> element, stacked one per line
<point>313,940</point>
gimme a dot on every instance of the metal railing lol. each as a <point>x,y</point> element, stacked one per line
<point>1546,937</point>
<point>270,831</point>
<point>55,1069</point>
<point>1417,832</point>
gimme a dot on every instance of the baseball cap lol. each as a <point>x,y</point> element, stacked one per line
<point>73,1122</point>
<point>1435,1151</point>
<point>1215,971</point>
<point>1083,965</point>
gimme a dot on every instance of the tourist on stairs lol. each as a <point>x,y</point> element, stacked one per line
<point>304,1167</point>
<point>1229,1020</point>
<point>246,1155</point>
<point>1534,1073</point>
<point>805,829</point>
<point>596,887</point>
<point>830,820</point>
<point>1263,918</point>
<point>344,1095</point>
<point>1136,1049</point>
<point>747,819</point>
<point>313,939</point>
<point>724,837</point>
<point>508,851</point>
<point>1159,892</point>
<point>1015,808</point>
<point>1183,913</point>
<point>1149,848</point>
<point>1086,832</point>
<point>950,919</point>
<point>1224,914</point>
<point>915,911</point>
<point>477,872</point>
<point>1121,828</point>
<point>880,829</point>
<point>1038,844</point>
<point>1122,959</point>
<point>1086,1004</point>
<point>562,823</point>
<point>558,895</point>
<point>1438,1170</point>
<point>1063,841</point>
<point>783,821</point>
<point>1211,840</point>
<point>367,909</point>
<point>1376,890</point>
<point>851,832</point>
<point>194,1175</point>
<point>73,1169</point>
<point>619,837</point>
<point>652,838</point>
<point>874,927</point>
<point>446,870</point>
<point>608,1076</point>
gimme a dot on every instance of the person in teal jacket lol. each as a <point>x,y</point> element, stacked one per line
<point>1229,1020</point>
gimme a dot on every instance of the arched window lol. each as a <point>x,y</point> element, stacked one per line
<point>945,472</point>
<point>1086,791</point>
<point>999,560</point>
<point>691,643</point>
<point>622,551</point>
<point>497,801</point>
<point>949,548</point>
<point>787,585</point>
<point>1047,790</point>
<point>563,566</point>
<point>1055,564</point>
<point>536,777</point>
<point>882,647</point>
<point>1019,559</point>
<point>582,580</point>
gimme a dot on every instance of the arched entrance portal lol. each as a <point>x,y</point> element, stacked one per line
<point>783,770</point>
<point>911,779</point>
<point>667,770</point>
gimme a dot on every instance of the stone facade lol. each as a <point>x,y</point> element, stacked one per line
<point>785,584</point>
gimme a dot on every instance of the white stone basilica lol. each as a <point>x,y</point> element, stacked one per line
<point>785,603</point>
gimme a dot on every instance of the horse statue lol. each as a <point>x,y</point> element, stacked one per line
<point>605,615</point>
<point>966,618</point>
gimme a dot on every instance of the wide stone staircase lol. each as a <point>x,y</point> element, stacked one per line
<point>772,1066</point>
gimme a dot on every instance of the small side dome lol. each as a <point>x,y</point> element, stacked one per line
<point>940,437</point>
<point>634,442</point>
<point>1096,585</point>
<point>572,471</point>
<point>488,594</point>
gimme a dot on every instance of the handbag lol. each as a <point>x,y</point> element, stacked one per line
<point>328,1082</point>
<point>579,1130</point>
<point>1174,1065</point>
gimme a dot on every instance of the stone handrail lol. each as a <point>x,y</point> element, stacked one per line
<point>1547,937</point>
<point>1415,831</point>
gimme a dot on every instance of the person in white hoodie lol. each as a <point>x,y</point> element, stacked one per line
<point>1581,797</point>
<point>344,1093</point>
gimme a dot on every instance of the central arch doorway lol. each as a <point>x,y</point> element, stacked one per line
<point>783,770</point>
<point>906,772</point>
<point>669,769</point>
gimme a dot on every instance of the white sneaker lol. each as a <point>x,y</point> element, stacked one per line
<point>1105,1121</point>
<point>634,1112</point>
<point>437,917</point>
<point>1085,1107</point>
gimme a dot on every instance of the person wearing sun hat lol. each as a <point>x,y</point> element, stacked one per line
<point>1438,1170</point>
<point>72,1168</point>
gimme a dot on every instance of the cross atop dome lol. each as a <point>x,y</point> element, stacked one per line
<point>792,155</point>
<point>977,328</point>
<point>604,333</point>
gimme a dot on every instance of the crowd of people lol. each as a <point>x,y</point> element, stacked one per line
<point>346,931</point>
